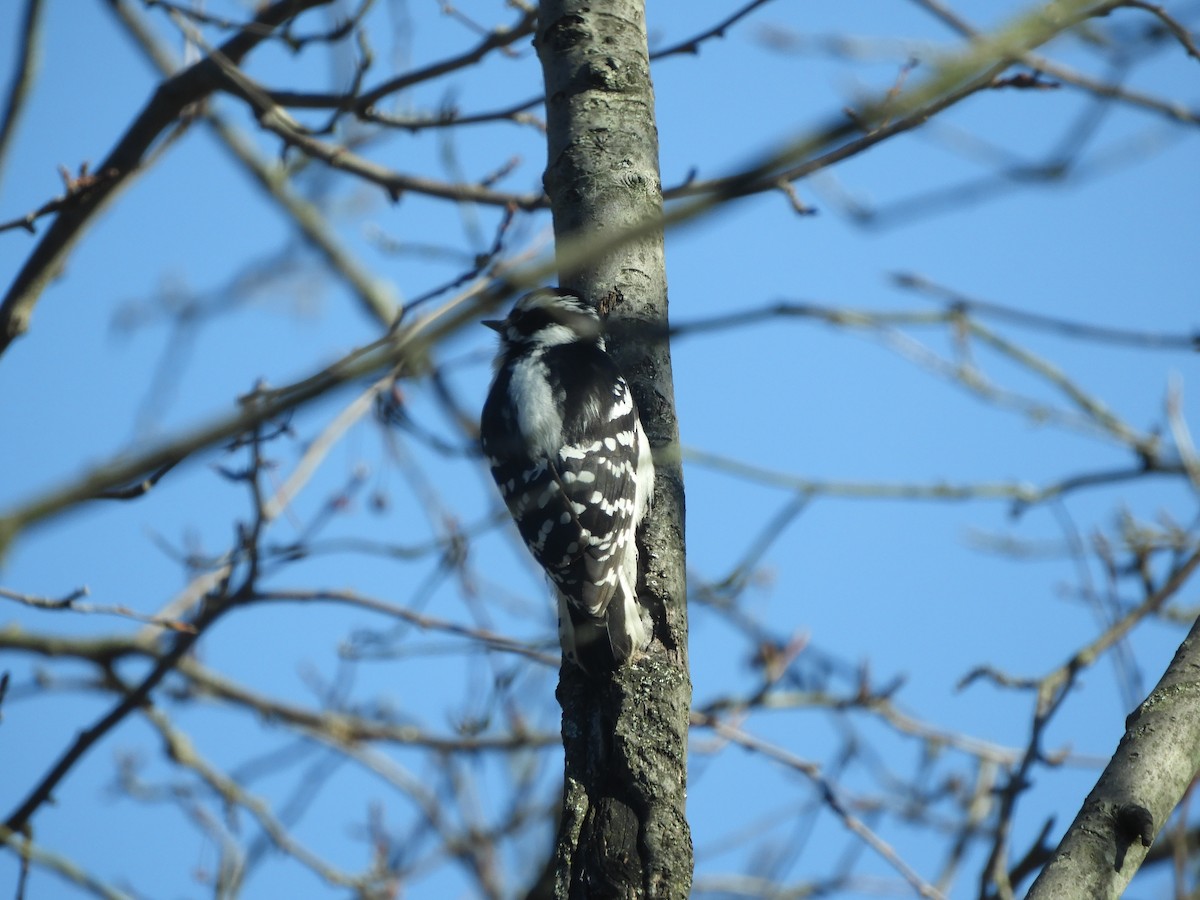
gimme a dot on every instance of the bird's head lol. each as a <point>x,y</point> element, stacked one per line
<point>548,317</point>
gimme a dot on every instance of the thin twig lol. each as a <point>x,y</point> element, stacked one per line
<point>182,752</point>
<point>1023,493</point>
<point>24,72</point>
<point>829,795</point>
<point>319,448</point>
<point>1177,30</point>
<point>30,852</point>
<point>71,603</point>
<point>691,45</point>
<point>1130,337</point>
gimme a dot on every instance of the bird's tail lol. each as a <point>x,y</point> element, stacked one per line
<point>606,642</point>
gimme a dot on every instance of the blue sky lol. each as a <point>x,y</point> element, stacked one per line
<point>897,585</point>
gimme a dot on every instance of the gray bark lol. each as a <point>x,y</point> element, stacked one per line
<point>623,831</point>
<point>1155,763</point>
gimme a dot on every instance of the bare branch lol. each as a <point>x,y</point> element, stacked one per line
<point>24,71</point>
<point>517,113</point>
<point>1172,25</point>
<point>813,772</point>
<point>1080,330</point>
<point>349,727</point>
<point>1022,493</point>
<point>19,818</point>
<point>408,346</point>
<point>75,190</point>
<point>1130,803</point>
<point>30,852</point>
<point>294,42</point>
<point>374,295</point>
<point>477,636</point>
<point>493,40</point>
<point>691,46</point>
<point>182,752</point>
<point>1181,433</point>
<point>163,110</point>
<point>71,602</point>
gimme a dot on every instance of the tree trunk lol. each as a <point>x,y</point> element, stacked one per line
<point>1154,765</point>
<point>623,831</point>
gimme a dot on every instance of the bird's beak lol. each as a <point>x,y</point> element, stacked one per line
<point>497,325</point>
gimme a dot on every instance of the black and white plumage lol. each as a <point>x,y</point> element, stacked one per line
<point>562,435</point>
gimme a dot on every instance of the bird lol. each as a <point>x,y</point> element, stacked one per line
<point>566,447</point>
